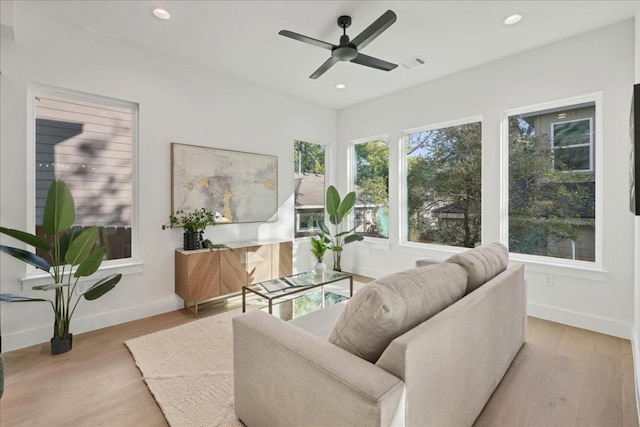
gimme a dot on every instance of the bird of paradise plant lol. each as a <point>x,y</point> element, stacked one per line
<point>72,255</point>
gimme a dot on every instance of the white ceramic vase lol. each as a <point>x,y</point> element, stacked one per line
<point>320,268</point>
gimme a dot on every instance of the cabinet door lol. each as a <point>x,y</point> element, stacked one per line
<point>198,275</point>
<point>282,259</point>
<point>259,263</point>
<point>233,271</point>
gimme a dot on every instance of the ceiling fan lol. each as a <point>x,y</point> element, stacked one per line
<point>348,50</point>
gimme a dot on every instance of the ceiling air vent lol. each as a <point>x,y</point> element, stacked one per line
<point>413,62</point>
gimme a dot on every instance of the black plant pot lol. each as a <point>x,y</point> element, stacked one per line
<point>61,345</point>
<point>191,240</point>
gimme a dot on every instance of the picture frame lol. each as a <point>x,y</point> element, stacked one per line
<point>634,152</point>
<point>237,186</point>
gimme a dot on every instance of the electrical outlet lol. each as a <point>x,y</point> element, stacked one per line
<point>548,280</point>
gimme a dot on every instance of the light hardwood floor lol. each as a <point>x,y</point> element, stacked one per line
<point>563,376</point>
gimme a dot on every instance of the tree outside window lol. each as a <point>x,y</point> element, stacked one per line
<point>371,181</point>
<point>552,183</point>
<point>443,185</point>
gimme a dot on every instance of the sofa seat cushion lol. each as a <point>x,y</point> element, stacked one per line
<point>388,307</point>
<point>320,322</point>
<point>482,263</point>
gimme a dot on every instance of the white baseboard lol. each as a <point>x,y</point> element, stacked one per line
<point>635,350</point>
<point>20,339</point>
<point>580,320</point>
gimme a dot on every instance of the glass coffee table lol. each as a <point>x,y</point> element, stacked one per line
<point>289,287</point>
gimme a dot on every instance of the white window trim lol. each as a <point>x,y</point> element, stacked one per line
<point>504,181</point>
<point>326,175</point>
<point>589,144</point>
<point>403,202</point>
<point>351,167</point>
<point>132,265</point>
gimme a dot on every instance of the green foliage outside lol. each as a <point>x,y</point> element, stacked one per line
<point>308,158</point>
<point>372,184</point>
<point>546,199</point>
<point>444,185</point>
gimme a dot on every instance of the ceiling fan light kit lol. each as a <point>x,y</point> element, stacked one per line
<point>348,50</point>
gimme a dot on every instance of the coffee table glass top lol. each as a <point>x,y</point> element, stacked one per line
<point>285,288</point>
<point>297,282</point>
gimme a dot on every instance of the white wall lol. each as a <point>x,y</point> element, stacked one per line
<point>178,103</point>
<point>600,61</point>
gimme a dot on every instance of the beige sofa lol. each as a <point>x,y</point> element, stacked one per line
<point>439,368</point>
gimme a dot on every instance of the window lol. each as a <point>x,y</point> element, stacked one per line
<point>573,144</point>
<point>443,184</point>
<point>552,182</point>
<point>371,183</point>
<point>89,143</point>
<point>308,159</point>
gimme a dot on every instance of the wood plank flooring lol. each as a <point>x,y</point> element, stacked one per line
<point>563,376</point>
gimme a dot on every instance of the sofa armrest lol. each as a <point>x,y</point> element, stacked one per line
<point>284,375</point>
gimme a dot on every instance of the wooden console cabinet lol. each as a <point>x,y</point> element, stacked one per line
<point>205,274</point>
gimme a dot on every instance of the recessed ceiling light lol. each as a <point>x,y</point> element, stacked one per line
<point>160,13</point>
<point>341,86</point>
<point>513,19</point>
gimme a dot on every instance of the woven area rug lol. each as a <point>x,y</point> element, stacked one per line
<point>189,371</point>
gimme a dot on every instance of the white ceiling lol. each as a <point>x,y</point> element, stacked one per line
<point>241,38</point>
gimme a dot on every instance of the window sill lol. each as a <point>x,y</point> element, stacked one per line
<point>126,268</point>
<point>374,243</point>
<point>566,268</point>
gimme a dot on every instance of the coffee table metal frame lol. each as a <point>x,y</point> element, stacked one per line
<point>319,281</point>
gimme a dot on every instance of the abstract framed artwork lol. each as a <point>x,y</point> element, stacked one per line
<point>634,152</point>
<point>236,186</point>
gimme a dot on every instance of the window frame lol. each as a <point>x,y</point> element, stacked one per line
<point>351,169</point>
<point>130,265</point>
<point>403,193</point>
<point>596,99</point>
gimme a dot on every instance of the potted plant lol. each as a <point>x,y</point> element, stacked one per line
<point>338,210</point>
<point>319,245</point>
<point>71,256</point>
<point>194,224</point>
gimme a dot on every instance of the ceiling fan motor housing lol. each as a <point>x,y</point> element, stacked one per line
<point>346,51</point>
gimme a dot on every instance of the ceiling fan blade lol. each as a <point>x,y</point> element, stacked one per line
<point>306,39</point>
<point>372,62</point>
<point>374,30</point>
<point>324,67</point>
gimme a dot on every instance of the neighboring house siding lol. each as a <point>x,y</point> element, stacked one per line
<point>89,147</point>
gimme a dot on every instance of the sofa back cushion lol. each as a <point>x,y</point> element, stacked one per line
<point>390,306</point>
<point>482,263</point>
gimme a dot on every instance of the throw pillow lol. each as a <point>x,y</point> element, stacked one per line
<point>482,263</point>
<point>388,307</point>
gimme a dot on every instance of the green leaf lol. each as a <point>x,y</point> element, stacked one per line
<point>91,263</point>
<point>19,298</point>
<point>59,210</point>
<point>64,241</point>
<point>27,238</point>
<point>82,246</point>
<point>353,238</point>
<point>347,204</point>
<point>28,257</point>
<point>102,287</point>
<point>49,287</point>
<point>333,201</point>
<point>324,228</point>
